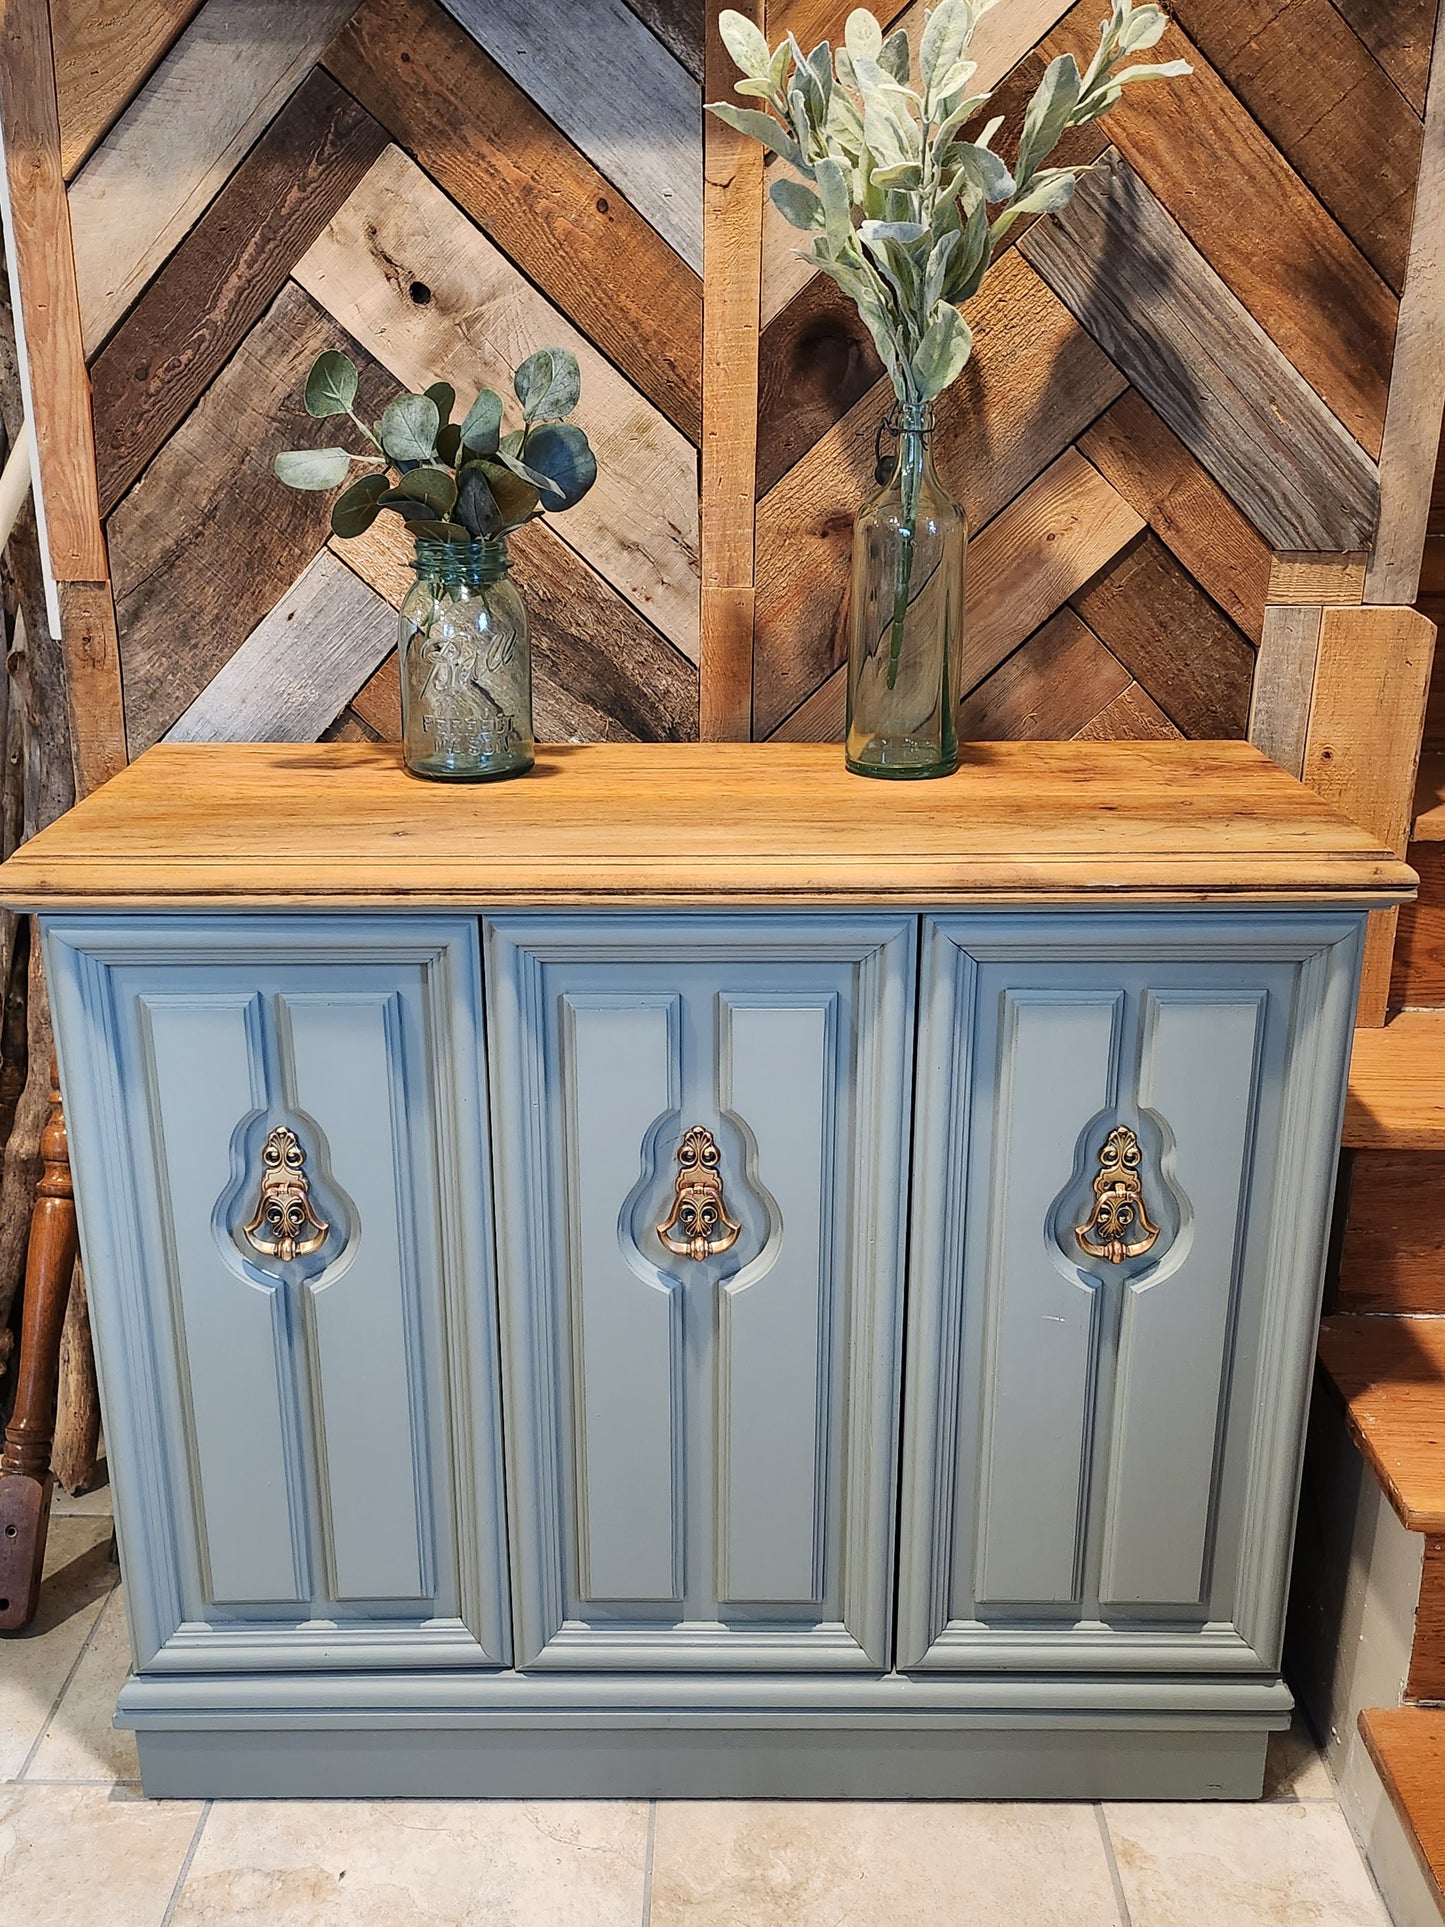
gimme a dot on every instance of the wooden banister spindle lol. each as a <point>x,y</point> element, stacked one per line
<point>26,1480</point>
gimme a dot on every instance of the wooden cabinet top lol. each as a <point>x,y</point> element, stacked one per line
<point>339,825</point>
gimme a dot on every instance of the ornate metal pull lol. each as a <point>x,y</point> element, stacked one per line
<point>285,1226</point>
<point>1118,1204</point>
<point>698,1211</point>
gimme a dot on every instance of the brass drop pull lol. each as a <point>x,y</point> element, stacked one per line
<point>698,1212</point>
<point>1119,1226</point>
<point>285,1226</point>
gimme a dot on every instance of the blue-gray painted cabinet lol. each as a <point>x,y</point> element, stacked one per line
<point>695,1274</point>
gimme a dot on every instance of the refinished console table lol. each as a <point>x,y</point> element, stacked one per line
<point>696,1274</point>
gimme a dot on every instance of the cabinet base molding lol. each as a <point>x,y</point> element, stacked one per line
<point>505,1736</point>
<point>962,1760</point>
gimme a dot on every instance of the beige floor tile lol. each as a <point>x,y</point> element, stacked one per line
<point>33,1664</point>
<point>1293,1769</point>
<point>446,1863</point>
<point>893,1864</point>
<point>1242,1866</point>
<point>85,1505</point>
<point>87,1856</point>
<point>80,1743</point>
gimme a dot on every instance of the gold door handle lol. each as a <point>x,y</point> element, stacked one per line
<point>285,1226</point>
<point>698,1212</point>
<point>1118,1227</point>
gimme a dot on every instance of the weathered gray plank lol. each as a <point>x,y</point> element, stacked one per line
<point>614,89</point>
<point>1284,678</point>
<point>1192,349</point>
<point>173,149</point>
<point>300,665</point>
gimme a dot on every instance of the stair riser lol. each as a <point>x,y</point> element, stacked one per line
<point>1392,1255</point>
<point>1417,975</point>
<point>1427,1655</point>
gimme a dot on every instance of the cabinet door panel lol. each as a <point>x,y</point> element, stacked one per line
<point>629,1324</point>
<point>1198,1070</point>
<point>701,1447</point>
<point>1107,1319</point>
<point>1044,1328</point>
<point>306,1432</point>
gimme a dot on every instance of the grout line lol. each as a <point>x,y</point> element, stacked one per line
<point>1120,1900</point>
<point>174,1901</point>
<point>65,1684</point>
<point>647,1873</point>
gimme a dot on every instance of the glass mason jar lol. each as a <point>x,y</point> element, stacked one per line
<point>466,670</point>
<point>906,646</point>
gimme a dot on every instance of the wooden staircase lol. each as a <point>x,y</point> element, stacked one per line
<point>1369,1603</point>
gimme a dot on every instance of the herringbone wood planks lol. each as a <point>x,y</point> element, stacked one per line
<point>1175,406</point>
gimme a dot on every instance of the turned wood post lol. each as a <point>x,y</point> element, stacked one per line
<point>26,1480</point>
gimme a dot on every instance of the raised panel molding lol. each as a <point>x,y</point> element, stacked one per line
<point>308,1460</point>
<point>758,1402</point>
<point>1153,1421</point>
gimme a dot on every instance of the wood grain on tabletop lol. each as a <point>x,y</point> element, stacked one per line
<point>700,823</point>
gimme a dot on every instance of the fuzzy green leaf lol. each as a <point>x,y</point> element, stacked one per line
<point>409,428</point>
<point>944,44</point>
<point>312,468</point>
<point>862,35</point>
<point>445,397</point>
<point>355,508</point>
<point>759,127</point>
<point>1055,99</point>
<point>331,384</point>
<point>798,205</point>
<point>893,56</point>
<point>406,506</point>
<point>942,353</point>
<point>744,41</point>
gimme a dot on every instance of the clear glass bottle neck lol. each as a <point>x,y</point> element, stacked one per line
<point>910,425</point>
<point>456,564</point>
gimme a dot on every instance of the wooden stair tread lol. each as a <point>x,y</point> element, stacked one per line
<point>1407,1745</point>
<point>1390,1375</point>
<point>1397,1085</point>
<point>1430,799</point>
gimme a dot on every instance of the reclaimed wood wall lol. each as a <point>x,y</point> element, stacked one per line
<point>1172,440</point>
<point>436,189</point>
<point>1172,429</point>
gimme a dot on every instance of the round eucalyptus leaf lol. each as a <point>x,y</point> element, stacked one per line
<point>482,426</point>
<point>437,487</point>
<point>445,397</point>
<point>440,531</point>
<point>331,385</point>
<point>312,467</point>
<point>409,428</point>
<point>407,507</point>
<point>548,384</point>
<point>477,508</point>
<point>524,470</point>
<point>561,452</point>
<point>449,443</point>
<point>517,499</point>
<point>355,508</point>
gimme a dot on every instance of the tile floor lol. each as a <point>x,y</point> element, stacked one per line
<point>78,1843</point>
